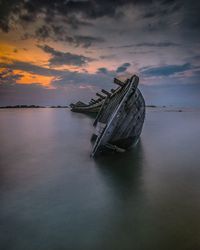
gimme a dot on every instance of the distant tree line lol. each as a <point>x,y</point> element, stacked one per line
<point>31,106</point>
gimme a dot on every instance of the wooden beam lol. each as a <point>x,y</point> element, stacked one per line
<point>91,101</point>
<point>118,82</point>
<point>79,103</point>
<point>105,92</point>
<point>101,96</point>
<point>112,90</point>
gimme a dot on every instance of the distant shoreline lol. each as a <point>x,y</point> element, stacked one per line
<point>30,106</point>
<point>153,107</point>
<point>56,106</point>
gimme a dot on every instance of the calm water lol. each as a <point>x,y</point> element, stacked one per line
<point>54,196</point>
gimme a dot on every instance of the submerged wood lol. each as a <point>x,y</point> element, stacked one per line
<point>120,117</point>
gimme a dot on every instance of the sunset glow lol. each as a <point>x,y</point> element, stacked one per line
<point>27,78</point>
<point>87,43</point>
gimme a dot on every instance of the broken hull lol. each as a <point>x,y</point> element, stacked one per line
<point>87,110</point>
<point>120,116</point>
<point>84,108</point>
<point>120,121</point>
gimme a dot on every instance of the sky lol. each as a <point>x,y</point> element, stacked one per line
<point>54,52</point>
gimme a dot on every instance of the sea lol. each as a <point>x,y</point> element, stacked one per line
<point>54,196</point>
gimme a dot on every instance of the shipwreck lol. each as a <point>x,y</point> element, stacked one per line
<point>120,116</point>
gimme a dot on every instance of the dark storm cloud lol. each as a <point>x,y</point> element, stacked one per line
<point>31,68</point>
<point>43,32</point>
<point>147,44</point>
<point>163,9</point>
<point>167,70</point>
<point>61,77</point>
<point>28,11</point>
<point>141,52</point>
<point>103,78</point>
<point>7,9</point>
<point>84,41</point>
<point>102,70</point>
<point>111,56</point>
<point>158,44</point>
<point>60,20</point>
<point>73,13</point>
<point>27,18</point>
<point>7,76</point>
<point>58,33</point>
<point>64,58</point>
<point>76,23</point>
<point>191,18</point>
<point>123,67</point>
<point>196,57</point>
<point>144,26</point>
<point>169,1</point>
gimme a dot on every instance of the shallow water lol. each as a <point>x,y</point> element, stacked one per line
<point>54,196</point>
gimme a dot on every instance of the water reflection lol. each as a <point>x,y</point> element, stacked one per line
<point>123,174</point>
<point>146,198</point>
<point>122,171</point>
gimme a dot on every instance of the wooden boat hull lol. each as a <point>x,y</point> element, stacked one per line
<point>120,121</point>
<point>120,117</point>
<point>81,107</point>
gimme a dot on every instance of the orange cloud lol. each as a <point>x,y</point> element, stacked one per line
<point>8,53</point>
<point>29,78</point>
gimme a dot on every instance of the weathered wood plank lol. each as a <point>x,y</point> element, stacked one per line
<point>101,96</point>
<point>118,82</point>
<point>106,92</point>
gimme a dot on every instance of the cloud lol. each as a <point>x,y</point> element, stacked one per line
<point>42,33</point>
<point>147,44</point>
<point>64,58</point>
<point>58,33</point>
<point>158,44</point>
<point>67,83</point>
<point>84,41</point>
<point>123,67</point>
<point>75,22</point>
<point>81,23</point>
<point>154,32</point>
<point>31,68</point>
<point>7,76</point>
<point>60,77</point>
<point>73,11</point>
<point>28,11</point>
<point>102,78</point>
<point>163,9</point>
<point>111,56</point>
<point>167,70</point>
<point>102,70</point>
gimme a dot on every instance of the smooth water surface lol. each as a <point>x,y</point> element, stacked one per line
<point>54,196</point>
